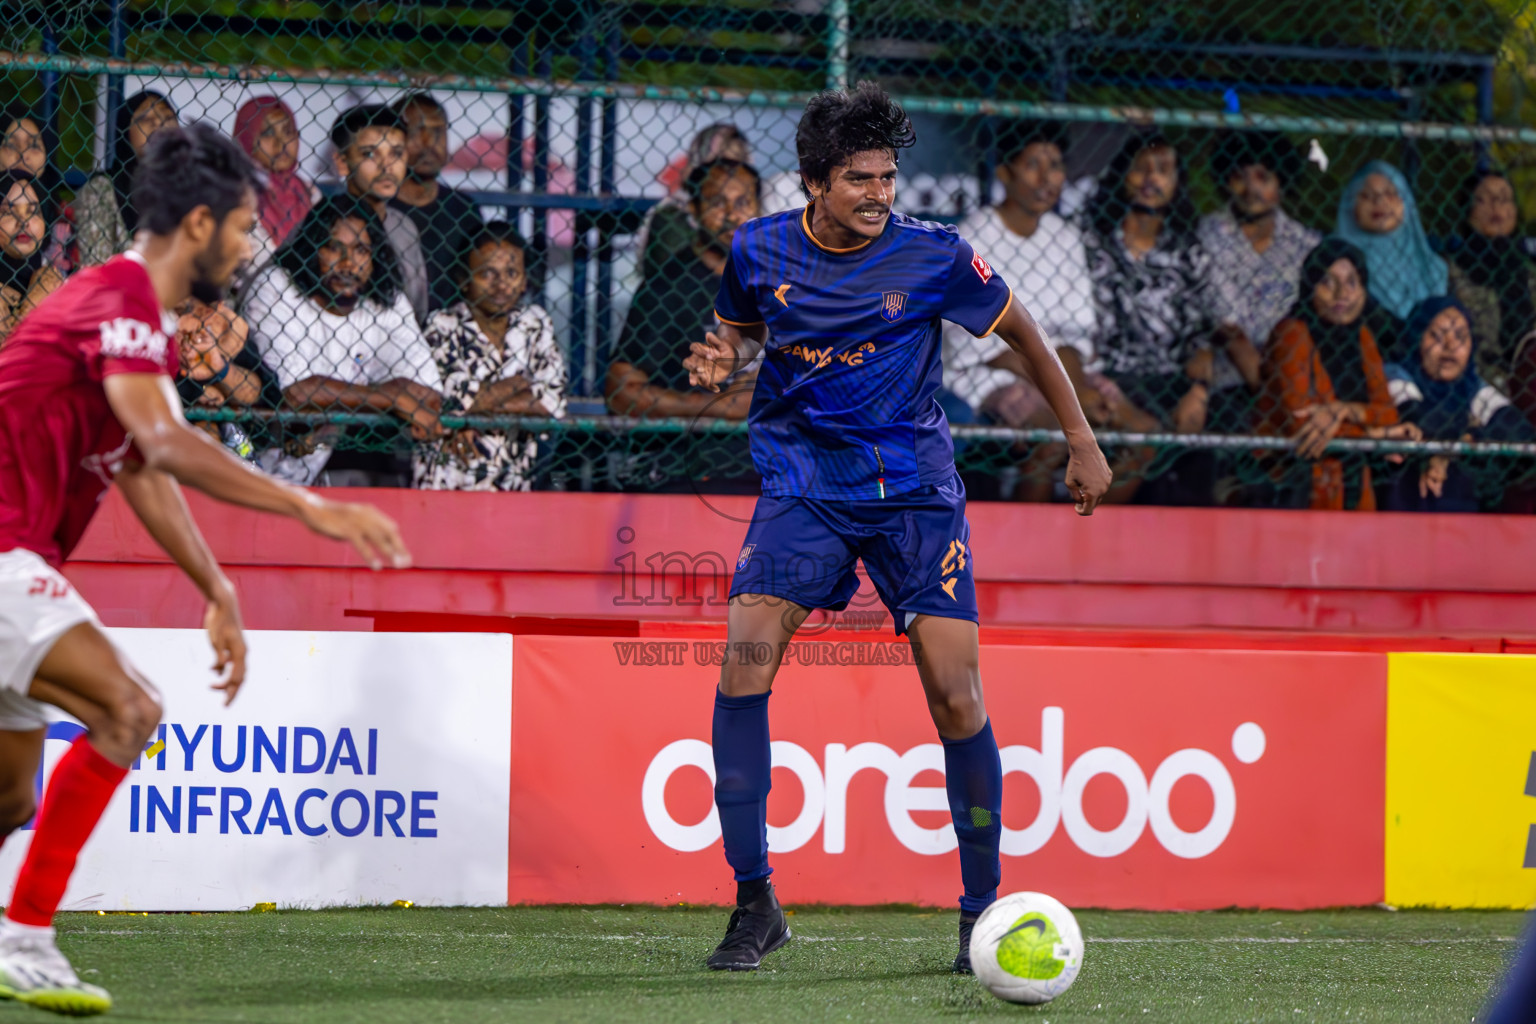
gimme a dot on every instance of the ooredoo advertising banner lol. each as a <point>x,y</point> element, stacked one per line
<point>1461,781</point>
<point>1158,779</point>
<point>352,768</point>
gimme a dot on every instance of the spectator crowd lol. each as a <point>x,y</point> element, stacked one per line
<point>394,295</point>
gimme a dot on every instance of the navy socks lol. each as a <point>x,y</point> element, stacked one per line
<point>743,776</point>
<point>973,773</point>
<point>973,777</point>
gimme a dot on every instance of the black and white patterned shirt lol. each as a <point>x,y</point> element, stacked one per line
<point>468,361</point>
<point>1153,312</point>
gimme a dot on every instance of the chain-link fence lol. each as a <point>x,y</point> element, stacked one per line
<point>1279,246</point>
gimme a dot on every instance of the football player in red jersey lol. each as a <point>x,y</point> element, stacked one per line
<point>87,399</point>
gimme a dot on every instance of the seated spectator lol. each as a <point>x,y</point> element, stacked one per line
<point>370,156</point>
<point>1492,274</point>
<point>1323,378</point>
<point>1042,256</point>
<point>670,226</point>
<point>672,310</point>
<point>1377,213</point>
<point>1150,278</point>
<point>1153,315</point>
<point>329,317</point>
<point>26,211</point>
<point>220,369</point>
<point>265,129</point>
<point>1443,395</point>
<point>497,357</point>
<point>444,218</point>
<point>24,146</point>
<point>105,221</point>
<point>1255,253</point>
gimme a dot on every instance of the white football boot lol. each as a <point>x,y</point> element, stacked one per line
<point>33,971</point>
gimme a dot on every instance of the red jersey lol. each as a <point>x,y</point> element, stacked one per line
<point>60,444</point>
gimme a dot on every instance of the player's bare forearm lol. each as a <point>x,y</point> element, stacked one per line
<point>1072,362</point>
<point>1019,330</point>
<point>1088,476</point>
<point>147,406</point>
<point>156,499</point>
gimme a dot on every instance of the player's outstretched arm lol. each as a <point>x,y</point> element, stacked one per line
<point>1088,475</point>
<point>147,406</point>
<point>722,353</point>
<point>156,500</point>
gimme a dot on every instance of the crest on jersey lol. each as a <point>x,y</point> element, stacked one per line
<point>982,267</point>
<point>893,305</point>
<point>746,555</point>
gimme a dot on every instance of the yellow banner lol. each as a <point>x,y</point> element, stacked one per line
<point>1461,780</point>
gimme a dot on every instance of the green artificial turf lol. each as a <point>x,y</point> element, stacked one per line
<point>645,964</point>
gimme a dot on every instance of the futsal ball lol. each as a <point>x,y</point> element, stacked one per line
<point>1027,948</point>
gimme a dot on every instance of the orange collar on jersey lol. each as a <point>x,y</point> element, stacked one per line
<point>805,224</point>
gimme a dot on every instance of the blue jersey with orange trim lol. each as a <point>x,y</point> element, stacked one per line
<point>844,406</point>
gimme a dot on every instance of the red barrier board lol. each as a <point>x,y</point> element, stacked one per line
<point>650,557</point>
<point>1157,779</point>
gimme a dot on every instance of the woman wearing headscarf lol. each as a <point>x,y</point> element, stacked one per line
<point>1492,274</point>
<point>1440,391</point>
<point>1378,215</point>
<point>26,211</point>
<point>26,142</point>
<point>105,220</point>
<point>670,227</point>
<point>1323,378</point>
<point>265,129</point>
<point>23,146</point>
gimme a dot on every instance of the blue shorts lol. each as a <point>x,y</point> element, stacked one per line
<point>916,548</point>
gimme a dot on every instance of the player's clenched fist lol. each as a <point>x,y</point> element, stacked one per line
<point>371,532</point>
<point>710,363</point>
<point>1088,476</point>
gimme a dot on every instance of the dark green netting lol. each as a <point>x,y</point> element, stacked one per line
<point>573,121</point>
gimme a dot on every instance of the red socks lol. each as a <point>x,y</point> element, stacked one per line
<point>82,784</point>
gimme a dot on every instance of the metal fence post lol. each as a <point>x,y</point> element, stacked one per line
<point>837,44</point>
<point>582,363</point>
<point>49,110</point>
<point>608,186</point>
<point>117,42</point>
<point>541,173</point>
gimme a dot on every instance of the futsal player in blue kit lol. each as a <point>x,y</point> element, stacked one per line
<point>844,300</point>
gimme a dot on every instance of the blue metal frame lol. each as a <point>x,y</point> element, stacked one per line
<point>582,365</point>
<point>540,240</point>
<point>117,41</point>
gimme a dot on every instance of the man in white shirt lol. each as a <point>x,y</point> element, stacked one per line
<point>331,321</point>
<point>1042,255</point>
<point>1256,252</point>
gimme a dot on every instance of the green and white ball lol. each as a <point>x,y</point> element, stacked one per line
<point>1027,948</point>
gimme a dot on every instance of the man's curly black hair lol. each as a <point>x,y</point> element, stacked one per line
<point>838,124</point>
